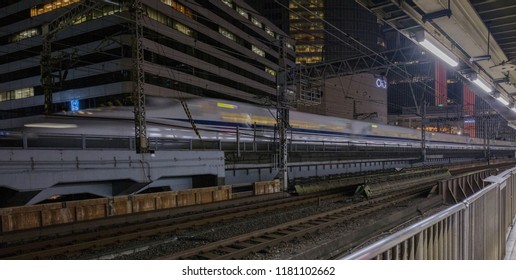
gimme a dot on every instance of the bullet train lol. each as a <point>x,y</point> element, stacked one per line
<point>222,120</point>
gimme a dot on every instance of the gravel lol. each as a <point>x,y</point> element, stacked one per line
<point>179,241</point>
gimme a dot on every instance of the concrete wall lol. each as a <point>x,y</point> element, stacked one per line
<point>342,92</point>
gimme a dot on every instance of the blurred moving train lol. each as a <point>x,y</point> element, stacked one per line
<point>219,119</point>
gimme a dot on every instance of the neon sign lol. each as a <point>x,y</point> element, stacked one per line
<point>381,83</point>
<point>74,105</point>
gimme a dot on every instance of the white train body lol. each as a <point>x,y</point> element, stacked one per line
<point>219,119</point>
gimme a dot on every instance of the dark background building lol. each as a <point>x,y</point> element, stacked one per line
<point>220,49</point>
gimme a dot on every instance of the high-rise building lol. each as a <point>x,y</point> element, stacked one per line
<point>329,30</point>
<point>324,29</point>
<point>212,48</point>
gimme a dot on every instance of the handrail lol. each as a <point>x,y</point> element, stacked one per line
<point>464,214</point>
<point>377,248</point>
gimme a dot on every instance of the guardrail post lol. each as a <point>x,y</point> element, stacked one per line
<point>419,245</point>
<point>466,233</point>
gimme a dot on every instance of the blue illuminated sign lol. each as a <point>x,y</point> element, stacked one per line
<point>381,83</point>
<point>74,105</point>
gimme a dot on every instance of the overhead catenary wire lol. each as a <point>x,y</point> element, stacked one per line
<point>393,67</point>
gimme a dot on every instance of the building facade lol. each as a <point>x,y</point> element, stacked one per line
<point>325,30</point>
<point>213,48</point>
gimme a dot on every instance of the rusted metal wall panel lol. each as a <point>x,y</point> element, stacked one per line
<point>144,202</point>
<point>166,200</point>
<point>222,193</point>
<point>266,187</point>
<point>122,205</point>
<point>57,216</point>
<point>185,198</point>
<point>205,196</point>
<point>88,209</point>
<point>23,221</point>
<point>26,217</point>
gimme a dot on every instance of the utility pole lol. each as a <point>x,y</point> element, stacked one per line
<point>140,125</point>
<point>282,114</point>
<point>423,131</point>
<point>487,150</point>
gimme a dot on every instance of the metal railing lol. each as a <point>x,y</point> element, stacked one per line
<point>475,229</point>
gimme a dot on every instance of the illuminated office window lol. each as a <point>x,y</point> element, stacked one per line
<point>228,2</point>
<point>308,59</point>
<point>270,71</point>
<point>227,34</point>
<point>257,50</point>
<point>16,94</point>
<point>242,12</point>
<point>95,14</point>
<point>24,35</point>
<point>45,8</point>
<point>178,7</point>
<point>309,37</point>
<point>256,22</point>
<point>183,29</point>
<point>309,48</point>
<point>269,31</point>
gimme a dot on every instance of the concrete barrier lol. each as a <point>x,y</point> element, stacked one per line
<point>34,216</point>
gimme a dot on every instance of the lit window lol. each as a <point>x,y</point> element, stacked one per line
<point>309,48</point>
<point>308,59</point>
<point>228,2</point>
<point>309,37</point>
<point>257,50</point>
<point>178,7</point>
<point>162,18</point>
<point>256,22</point>
<point>16,94</point>
<point>227,34</point>
<point>316,4</point>
<point>24,35</point>
<point>319,14</point>
<point>293,16</point>
<point>269,31</point>
<point>270,71</point>
<point>183,29</point>
<point>242,12</point>
<point>45,8</point>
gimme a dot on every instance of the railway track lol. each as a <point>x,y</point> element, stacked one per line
<point>242,245</point>
<point>102,237</point>
<point>74,243</point>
